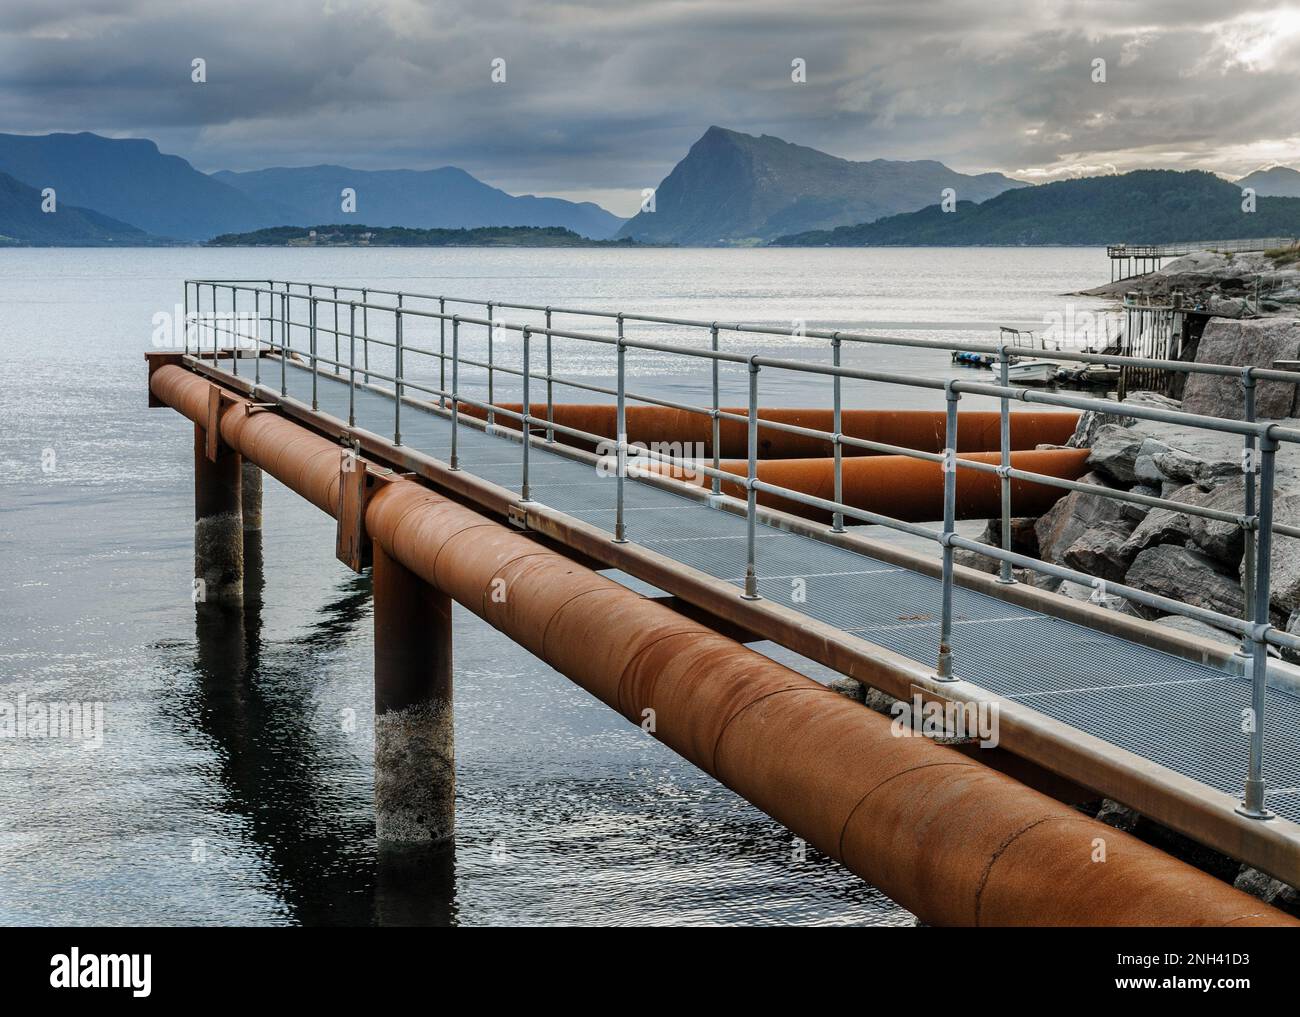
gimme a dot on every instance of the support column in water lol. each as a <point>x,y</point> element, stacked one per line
<point>415,759</point>
<point>218,523</point>
<point>251,496</point>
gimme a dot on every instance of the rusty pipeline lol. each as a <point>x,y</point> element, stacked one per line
<point>954,841</point>
<point>923,430</point>
<point>899,486</point>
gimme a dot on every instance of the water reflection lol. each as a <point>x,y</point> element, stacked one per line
<point>316,839</point>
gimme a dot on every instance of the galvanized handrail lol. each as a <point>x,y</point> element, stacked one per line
<point>1260,440</point>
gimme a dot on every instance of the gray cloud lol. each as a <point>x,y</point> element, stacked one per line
<point>602,98</point>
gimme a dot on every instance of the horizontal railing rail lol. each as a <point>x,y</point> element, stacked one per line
<point>274,306</point>
<point>1238,246</point>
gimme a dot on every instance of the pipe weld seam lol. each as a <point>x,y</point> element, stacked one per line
<point>901,773</point>
<point>546,629</point>
<point>487,588</point>
<point>813,686</point>
<point>1001,849</point>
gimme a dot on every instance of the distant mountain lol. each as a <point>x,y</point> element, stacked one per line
<point>736,188</point>
<point>23,223</point>
<point>402,236</point>
<point>1274,182</point>
<point>1145,206</point>
<point>131,180</point>
<point>446,198</point>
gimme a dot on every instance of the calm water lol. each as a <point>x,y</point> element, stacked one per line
<point>228,788</point>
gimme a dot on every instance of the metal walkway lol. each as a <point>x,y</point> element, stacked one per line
<point>1177,713</point>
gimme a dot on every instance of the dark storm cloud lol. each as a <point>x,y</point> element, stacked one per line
<point>603,98</point>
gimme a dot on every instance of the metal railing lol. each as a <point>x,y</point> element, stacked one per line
<point>1188,246</point>
<point>272,304</point>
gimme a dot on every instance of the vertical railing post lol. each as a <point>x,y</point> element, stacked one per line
<point>455,389</point>
<point>352,364</point>
<point>944,670</point>
<point>837,518</point>
<point>1252,804</point>
<point>442,353</point>
<point>491,413</point>
<point>751,492</point>
<point>284,343</point>
<point>525,423</point>
<point>715,435</point>
<point>186,323</point>
<point>315,363</point>
<point>257,345</point>
<point>1250,470</point>
<point>234,330</point>
<point>338,369</point>
<point>397,379</point>
<point>365,336</point>
<point>620,430</point>
<point>550,385</point>
<point>1004,567</point>
<point>215,326</point>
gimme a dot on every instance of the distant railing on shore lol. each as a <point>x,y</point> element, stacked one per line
<point>1174,250</point>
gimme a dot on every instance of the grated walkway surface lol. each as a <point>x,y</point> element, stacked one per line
<point>1180,714</point>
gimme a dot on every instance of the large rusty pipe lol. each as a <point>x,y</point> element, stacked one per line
<point>902,487</point>
<point>977,431</point>
<point>952,840</point>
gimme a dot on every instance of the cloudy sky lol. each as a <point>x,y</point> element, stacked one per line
<point>602,97</point>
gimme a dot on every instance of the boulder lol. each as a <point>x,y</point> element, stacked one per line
<point>1102,551</point>
<point>1091,421</point>
<point>1221,540</point>
<point>1163,526</point>
<point>1284,578</point>
<point>1139,512</point>
<point>1195,628</point>
<point>1187,575</point>
<point>1240,344</point>
<point>1271,891</point>
<point>1114,454</point>
<point>1075,514</point>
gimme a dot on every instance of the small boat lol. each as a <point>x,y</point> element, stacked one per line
<point>1089,374</point>
<point>1032,371</point>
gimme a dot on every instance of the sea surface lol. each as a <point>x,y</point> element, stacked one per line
<point>233,783</point>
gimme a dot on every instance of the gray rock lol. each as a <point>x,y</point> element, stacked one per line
<point>1243,343</point>
<point>1139,512</point>
<point>1102,551</point>
<point>1187,575</point>
<point>1072,516</point>
<point>1163,526</point>
<point>881,702</point>
<point>1285,559</point>
<point>849,688</point>
<point>1091,421</point>
<point>1224,541</point>
<point>1271,891</point>
<point>1195,628</point>
<point>1114,454</point>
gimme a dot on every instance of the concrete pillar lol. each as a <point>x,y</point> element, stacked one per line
<point>251,502</point>
<point>251,496</point>
<point>415,760</point>
<point>218,526</point>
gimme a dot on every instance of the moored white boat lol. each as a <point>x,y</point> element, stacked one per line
<point>1032,371</point>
